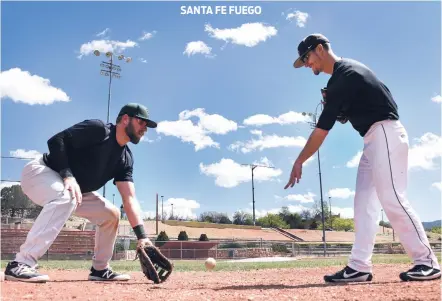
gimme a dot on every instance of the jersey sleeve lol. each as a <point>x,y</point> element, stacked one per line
<point>125,170</point>
<point>339,94</point>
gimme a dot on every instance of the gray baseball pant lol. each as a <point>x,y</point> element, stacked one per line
<point>45,187</point>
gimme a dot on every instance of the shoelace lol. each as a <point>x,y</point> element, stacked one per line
<point>24,269</point>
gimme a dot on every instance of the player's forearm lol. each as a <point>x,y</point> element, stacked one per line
<point>313,143</point>
<point>133,211</point>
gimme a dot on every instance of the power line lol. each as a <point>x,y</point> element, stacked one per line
<point>13,157</point>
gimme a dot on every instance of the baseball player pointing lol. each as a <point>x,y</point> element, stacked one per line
<point>81,159</point>
<point>355,94</point>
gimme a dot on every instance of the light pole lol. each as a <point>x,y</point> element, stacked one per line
<point>313,125</point>
<point>162,208</point>
<point>253,166</point>
<point>113,199</point>
<point>331,216</point>
<point>172,211</point>
<point>383,229</point>
<point>112,70</point>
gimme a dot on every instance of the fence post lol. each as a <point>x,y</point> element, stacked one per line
<point>181,251</point>
<point>293,249</point>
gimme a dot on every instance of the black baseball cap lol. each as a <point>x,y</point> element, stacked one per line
<point>307,44</point>
<point>138,111</point>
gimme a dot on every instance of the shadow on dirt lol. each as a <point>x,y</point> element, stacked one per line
<point>308,285</point>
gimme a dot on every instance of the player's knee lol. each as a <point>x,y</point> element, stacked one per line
<point>115,215</point>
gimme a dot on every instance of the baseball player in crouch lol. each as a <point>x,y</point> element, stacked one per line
<point>355,94</point>
<point>81,159</point>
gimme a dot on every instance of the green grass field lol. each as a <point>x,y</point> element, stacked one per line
<point>198,265</point>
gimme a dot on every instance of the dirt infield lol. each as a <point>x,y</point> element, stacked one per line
<point>282,284</point>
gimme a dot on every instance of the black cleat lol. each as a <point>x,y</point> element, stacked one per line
<point>348,275</point>
<point>420,273</point>
<point>107,275</point>
<point>17,271</point>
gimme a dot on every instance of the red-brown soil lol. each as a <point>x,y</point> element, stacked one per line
<point>282,284</point>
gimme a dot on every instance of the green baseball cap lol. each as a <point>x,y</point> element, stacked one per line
<point>138,111</point>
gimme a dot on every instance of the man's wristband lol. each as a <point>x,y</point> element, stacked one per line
<point>139,231</point>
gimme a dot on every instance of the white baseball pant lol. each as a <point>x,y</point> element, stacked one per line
<point>382,181</point>
<point>45,187</point>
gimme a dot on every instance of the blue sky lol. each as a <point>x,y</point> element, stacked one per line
<point>224,92</point>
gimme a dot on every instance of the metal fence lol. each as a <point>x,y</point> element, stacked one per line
<point>240,249</point>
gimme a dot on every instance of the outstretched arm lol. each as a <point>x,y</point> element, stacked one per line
<point>132,208</point>
<point>315,140</point>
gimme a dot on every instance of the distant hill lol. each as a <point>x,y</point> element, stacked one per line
<point>429,225</point>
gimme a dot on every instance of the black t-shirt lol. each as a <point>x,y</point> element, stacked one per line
<point>90,152</point>
<point>354,91</point>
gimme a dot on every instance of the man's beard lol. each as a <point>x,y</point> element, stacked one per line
<point>130,132</point>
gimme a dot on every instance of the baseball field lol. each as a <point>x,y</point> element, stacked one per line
<point>300,279</point>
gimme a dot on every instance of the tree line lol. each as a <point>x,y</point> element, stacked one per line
<point>14,203</point>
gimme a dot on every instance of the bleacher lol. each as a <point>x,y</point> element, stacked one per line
<point>68,244</point>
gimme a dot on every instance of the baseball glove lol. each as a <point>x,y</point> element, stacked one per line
<point>154,264</point>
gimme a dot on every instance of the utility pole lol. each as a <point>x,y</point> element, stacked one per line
<point>156,215</point>
<point>253,166</point>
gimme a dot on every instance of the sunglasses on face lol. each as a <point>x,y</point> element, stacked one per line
<point>304,59</point>
<point>140,122</point>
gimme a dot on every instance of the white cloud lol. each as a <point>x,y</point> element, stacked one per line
<point>347,212</point>
<point>21,153</point>
<point>302,198</point>
<point>300,17</point>
<point>263,212</point>
<point>213,123</point>
<point>437,99</point>
<point>354,162</point>
<point>147,35</point>
<point>229,174</point>
<point>195,47</point>
<point>197,134</point>
<point>269,141</point>
<point>437,185</point>
<point>8,184</point>
<point>249,34</point>
<point>103,33</point>
<point>287,118</point>
<point>341,193</point>
<point>187,132</point>
<point>182,208</point>
<point>143,60</point>
<point>105,46</point>
<point>21,86</point>
<point>427,149</point>
<point>146,139</point>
